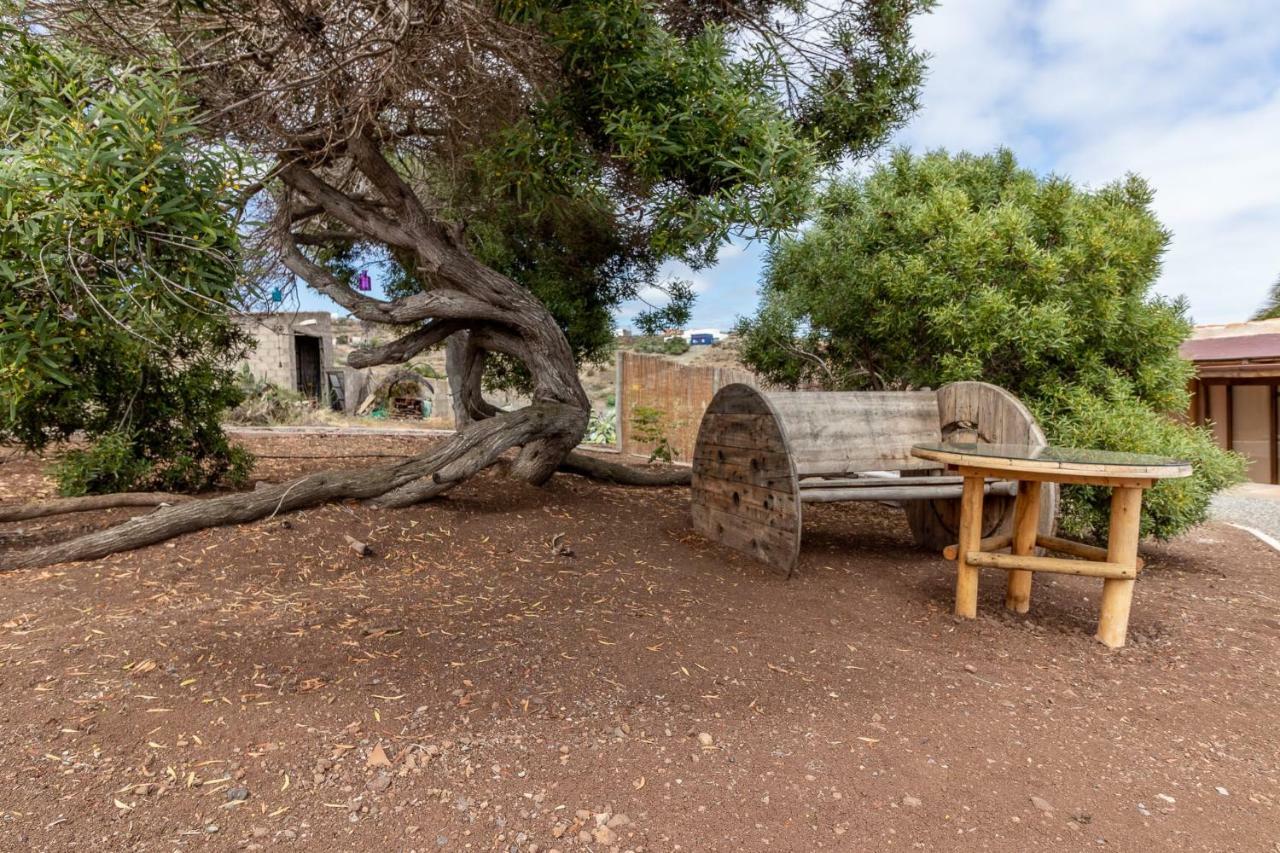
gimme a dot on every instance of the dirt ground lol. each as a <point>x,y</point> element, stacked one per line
<point>573,669</point>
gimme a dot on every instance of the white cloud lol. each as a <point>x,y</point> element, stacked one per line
<point>1185,93</point>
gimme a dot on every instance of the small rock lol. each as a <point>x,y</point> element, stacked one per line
<point>1223,791</point>
<point>584,837</point>
<point>211,828</point>
<point>1166,798</point>
<point>379,783</point>
<point>912,802</point>
<point>558,830</point>
<point>1042,804</point>
<point>237,794</point>
<point>705,739</point>
<point>618,820</point>
<point>970,668</point>
<point>604,835</point>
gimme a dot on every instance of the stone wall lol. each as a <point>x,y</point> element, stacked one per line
<point>274,358</point>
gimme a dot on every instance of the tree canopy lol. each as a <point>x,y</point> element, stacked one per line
<point>939,268</point>
<point>1270,309</point>
<point>478,146</point>
<point>117,263</point>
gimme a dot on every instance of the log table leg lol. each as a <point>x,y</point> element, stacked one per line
<point>1026,521</point>
<point>970,540</point>
<point>1122,547</point>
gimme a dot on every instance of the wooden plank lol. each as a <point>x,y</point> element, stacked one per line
<point>1055,565</point>
<point>1104,470</point>
<point>970,538</point>
<point>1273,434</point>
<point>1122,549</point>
<point>873,482</point>
<point>776,477</point>
<point>904,493</point>
<point>1058,477</point>
<point>991,543</point>
<point>1026,520</point>
<point>770,507</point>
<point>755,431</point>
<point>744,490</point>
<point>776,548</point>
<point>847,432</point>
<point>1076,549</point>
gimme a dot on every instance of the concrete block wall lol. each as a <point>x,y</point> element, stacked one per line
<point>274,358</point>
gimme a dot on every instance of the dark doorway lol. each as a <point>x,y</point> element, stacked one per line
<point>307,355</point>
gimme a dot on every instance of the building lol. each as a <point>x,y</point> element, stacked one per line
<point>702,337</point>
<point>294,350</point>
<point>1235,390</point>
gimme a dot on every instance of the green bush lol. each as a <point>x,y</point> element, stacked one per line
<point>266,404</point>
<point>650,425</point>
<point>939,268</point>
<point>602,428</point>
<point>120,462</point>
<point>658,346</point>
<point>120,332</point>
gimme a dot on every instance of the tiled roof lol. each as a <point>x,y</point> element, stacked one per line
<point>1232,348</point>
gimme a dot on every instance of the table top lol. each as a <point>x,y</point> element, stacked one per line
<point>1050,460</point>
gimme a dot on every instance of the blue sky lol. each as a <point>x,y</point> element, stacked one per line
<point>1184,92</point>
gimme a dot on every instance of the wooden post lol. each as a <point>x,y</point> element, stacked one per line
<point>970,539</point>
<point>1122,547</point>
<point>1026,521</point>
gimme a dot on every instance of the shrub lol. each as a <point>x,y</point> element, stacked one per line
<point>650,426</point>
<point>267,404</point>
<point>939,268</point>
<point>602,428</point>
<point>120,332</point>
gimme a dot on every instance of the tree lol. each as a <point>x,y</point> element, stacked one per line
<point>116,264</point>
<point>676,124</point>
<point>1271,308</point>
<point>939,268</point>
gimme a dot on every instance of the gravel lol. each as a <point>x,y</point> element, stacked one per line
<point>1251,510</point>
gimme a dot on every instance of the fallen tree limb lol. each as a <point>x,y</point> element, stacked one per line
<point>428,474</point>
<point>88,503</point>
<point>403,483</point>
<point>595,468</point>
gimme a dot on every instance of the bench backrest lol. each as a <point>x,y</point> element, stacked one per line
<point>852,431</point>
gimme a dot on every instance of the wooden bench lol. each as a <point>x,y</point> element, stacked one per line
<point>760,456</point>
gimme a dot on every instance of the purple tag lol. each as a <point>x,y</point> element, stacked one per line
<point>363,282</point>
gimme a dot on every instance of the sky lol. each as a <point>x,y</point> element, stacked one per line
<point>1185,93</point>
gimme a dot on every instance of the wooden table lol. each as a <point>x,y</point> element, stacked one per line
<point>1126,474</point>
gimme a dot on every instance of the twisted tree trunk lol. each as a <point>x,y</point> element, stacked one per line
<point>472,307</point>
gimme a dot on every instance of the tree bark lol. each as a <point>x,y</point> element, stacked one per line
<point>88,503</point>
<point>472,306</point>
<point>425,475</point>
<point>595,468</point>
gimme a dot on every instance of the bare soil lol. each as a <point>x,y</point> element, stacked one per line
<point>516,668</point>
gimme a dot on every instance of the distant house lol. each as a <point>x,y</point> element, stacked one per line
<point>294,350</point>
<point>1235,390</point>
<point>702,337</point>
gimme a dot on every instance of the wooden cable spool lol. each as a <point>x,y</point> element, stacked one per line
<point>761,455</point>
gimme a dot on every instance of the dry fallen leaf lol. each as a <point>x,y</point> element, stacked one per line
<point>378,757</point>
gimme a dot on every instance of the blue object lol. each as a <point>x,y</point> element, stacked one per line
<point>276,295</point>
<point>702,340</point>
